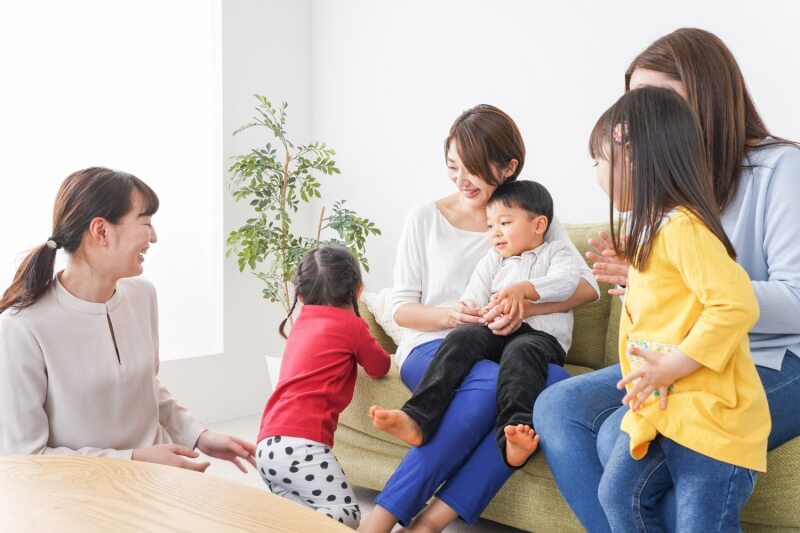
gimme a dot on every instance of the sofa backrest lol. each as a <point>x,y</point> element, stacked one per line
<point>596,330</point>
<point>594,337</point>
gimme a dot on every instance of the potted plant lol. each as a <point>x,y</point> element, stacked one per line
<point>276,178</point>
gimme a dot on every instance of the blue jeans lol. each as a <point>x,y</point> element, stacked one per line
<point>571,419</point>
<point>462,454</point>
<point>709,493</point>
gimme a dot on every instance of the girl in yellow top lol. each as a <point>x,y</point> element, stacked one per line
<point>698,418</point>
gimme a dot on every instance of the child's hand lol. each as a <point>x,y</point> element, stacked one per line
<point>656,373</point>
<point>607,266</point>
<point>227,448</point>
<point>510,300</point>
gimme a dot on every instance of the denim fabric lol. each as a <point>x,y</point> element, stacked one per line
<point>582,415</point>
<point>567,417</point>
<point>709,494</point>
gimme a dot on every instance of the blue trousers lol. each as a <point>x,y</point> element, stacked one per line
<point>579,419</point>
<point>709,493</point>
<point>462,456</point>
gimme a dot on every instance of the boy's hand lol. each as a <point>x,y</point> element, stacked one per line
<point>510,300</point>
<point>656,373</point>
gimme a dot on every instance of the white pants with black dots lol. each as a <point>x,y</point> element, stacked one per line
<point>307,472</point>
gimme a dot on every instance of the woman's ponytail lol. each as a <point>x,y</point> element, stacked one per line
<point>84,195</point>
<point>32,279</point>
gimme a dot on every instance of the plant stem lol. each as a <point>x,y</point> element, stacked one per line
<point>321,219</point>
<point>284,225</point>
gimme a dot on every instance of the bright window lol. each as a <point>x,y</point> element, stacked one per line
<point>134,86</point>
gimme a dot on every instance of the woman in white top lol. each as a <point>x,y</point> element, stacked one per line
<point>79,350</point>
<point>439,248</point>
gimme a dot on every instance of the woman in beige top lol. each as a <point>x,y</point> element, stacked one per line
<point>79,350</point>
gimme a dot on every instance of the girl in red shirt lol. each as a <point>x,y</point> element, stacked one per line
<point>318,373</point>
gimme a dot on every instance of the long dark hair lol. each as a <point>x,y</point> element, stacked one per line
<point>328,275</point>
<point>652,138</point>
<point>84,195</point>
<point>717,92</point>
<point>485,135</point>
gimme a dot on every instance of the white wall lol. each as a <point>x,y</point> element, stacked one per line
<point>390,77</point>
<point>85,85</point>
<point>266,48</point>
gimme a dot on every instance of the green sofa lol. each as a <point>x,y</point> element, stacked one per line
<point>530,499</point>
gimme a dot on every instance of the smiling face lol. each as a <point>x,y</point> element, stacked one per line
<point>514,230</point>
<point>475,192</point>
<point>129,240</point>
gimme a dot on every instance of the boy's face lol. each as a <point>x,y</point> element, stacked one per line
<point>514,230</point>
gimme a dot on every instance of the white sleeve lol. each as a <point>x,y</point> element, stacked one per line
<point>409,263</point>
<point>24,426</point>
<point>479,288</point>
<point>562,277</point>
<point>557,232</point>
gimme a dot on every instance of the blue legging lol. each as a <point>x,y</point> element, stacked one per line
<point>462,453</point>
<point>579,421</point>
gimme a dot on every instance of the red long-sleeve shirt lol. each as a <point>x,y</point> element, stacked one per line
<point>318,373</point>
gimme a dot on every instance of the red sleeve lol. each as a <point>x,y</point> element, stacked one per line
<point>370,354</point>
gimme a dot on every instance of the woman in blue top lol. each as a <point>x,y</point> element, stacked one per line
<point>757,186</point>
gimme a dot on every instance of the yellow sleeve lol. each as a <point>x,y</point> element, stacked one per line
<point>721,285</point>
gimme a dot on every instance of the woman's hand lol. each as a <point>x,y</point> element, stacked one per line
<point>499,323</point>
<point>170,454</point>
<point>464,313</point>
<point>656,373</point>
<point>227,448</point>
<point>606,265</point>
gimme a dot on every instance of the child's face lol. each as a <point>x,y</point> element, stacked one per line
<point>603,167</point>
<point>514,230</point>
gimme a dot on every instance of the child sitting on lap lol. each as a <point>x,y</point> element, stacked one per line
<point>519,267</point>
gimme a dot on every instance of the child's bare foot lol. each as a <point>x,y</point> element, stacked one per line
<point>396,422</point>
<point>521,442</point>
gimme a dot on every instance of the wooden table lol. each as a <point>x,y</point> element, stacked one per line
<point>86,494</point>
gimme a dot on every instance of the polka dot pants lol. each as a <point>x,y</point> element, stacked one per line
<point>307,472</point>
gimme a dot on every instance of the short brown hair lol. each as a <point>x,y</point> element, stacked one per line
<point>486,136</point>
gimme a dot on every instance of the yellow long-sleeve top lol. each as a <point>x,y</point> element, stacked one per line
<point>691,294</point>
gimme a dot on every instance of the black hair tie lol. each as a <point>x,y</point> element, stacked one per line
<point>52,243</point>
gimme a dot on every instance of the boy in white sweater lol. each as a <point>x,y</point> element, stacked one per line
<point>520,266</point>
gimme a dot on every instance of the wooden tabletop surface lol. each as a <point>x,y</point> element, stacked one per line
<point>88,494</point>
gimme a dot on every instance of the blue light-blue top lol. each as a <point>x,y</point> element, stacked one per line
<point>763,223</point>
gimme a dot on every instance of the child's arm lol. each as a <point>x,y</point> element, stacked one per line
<point>479,288</point>
<point>562,276</point>
<point>729,311</point>
<point>657,372</point>
<point>370,354</point>
<point>721,286</point>
<point>558,284</point>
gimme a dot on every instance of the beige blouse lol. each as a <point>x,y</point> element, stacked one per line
<point>67,386</point>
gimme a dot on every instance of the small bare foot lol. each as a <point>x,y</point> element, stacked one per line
<point>521,442</point>
<point>396,422</point>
